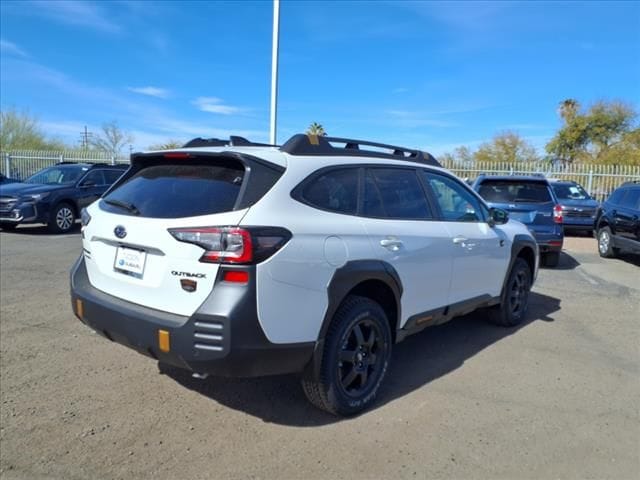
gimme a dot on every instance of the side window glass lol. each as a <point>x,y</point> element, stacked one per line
<point>372,202</point>
<point>336,190</point>
<point>111,176</point>
<point>401,193</point>
<point>456,202</point>
<point>94,176</point>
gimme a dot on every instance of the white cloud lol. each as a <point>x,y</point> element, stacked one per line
<point>215,105</point>
<point>9,48</point>
<point>83,14</point>
<point>150,91</point>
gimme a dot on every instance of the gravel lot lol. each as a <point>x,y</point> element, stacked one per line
<point>558,397</point>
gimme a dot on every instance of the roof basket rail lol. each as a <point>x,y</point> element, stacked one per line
<point>317,145</point>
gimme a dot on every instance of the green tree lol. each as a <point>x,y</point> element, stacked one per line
<point>168,145</point>
<point>112,139</point>
<point>506,147</point>
<point>604,133</point>
<point>316,129</point>
<point>21,131</point>
<point>460,155</point>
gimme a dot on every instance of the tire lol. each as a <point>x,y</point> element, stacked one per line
<point>355,358</point>
<point>515,297</point>
<point>605,243</point>
<point>63,218</point>
<point>8,226</point>
<point>551,259</point>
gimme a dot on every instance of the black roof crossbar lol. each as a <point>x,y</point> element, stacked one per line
<point>318,145</point>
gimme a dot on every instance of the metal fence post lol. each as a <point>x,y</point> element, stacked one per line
<point>61,158</point>
<point>590,181</point>
<point>7,164</point>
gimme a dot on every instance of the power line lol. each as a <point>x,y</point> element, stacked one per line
<point>84,137</point>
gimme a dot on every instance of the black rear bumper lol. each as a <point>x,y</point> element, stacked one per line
<point>222,338</point>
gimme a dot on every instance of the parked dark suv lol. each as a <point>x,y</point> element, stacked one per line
<point>578,207</point>
<point>530,200</point>
<point>617,223</point>
<point>55,195</point>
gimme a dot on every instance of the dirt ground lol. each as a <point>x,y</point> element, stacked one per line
<point>558,397</point>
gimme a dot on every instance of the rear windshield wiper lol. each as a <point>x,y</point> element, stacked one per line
<point>130,207</point>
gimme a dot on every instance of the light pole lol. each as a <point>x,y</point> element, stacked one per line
<point>274,71</point>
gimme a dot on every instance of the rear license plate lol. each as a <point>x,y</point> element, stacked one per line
<point>130,260</point>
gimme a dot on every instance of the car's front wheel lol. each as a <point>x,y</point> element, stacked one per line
<point>8,225</point>
<point>515,297</point>
<point>605,243</point>
<point>355,358</point>
<point>63,218</point>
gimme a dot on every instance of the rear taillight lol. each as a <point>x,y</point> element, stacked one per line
<point>557,214</point>
<point>232,244</point>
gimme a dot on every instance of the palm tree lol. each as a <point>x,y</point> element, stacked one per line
<point>316,129</point>
<point>568,109</point>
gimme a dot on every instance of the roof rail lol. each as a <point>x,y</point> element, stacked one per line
<point>317,145</point>
<point>234,141</point>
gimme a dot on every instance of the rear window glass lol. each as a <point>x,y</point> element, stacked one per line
<point>513,191</point>
<point>570,192</point>
<point>178,190</point>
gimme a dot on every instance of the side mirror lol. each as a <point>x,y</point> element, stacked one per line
<point>88,183</point>
<point>498,216</point>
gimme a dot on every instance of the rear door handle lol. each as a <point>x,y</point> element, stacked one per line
<point>391,243</point>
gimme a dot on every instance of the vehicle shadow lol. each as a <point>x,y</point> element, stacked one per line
<point>633,259</point>
<point>567,262</point>
<point>37,229</point>
<point>416,362</point>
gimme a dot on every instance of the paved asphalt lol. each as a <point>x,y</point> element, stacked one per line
<point>558,397</point>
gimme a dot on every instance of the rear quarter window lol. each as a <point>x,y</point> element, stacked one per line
<point>335,190</point>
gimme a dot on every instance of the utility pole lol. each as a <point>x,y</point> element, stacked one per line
<point>84,138</point>
<point>274,71</point>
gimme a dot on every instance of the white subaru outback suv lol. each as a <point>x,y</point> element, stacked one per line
<point>240,259</point>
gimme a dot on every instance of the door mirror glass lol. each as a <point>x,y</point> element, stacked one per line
<point>498,216</point>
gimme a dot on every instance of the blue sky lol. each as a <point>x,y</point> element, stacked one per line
<point>431,75</point>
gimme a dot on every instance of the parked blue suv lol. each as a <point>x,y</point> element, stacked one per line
<point>530,200</point>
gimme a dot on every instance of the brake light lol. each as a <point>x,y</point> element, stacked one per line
<point>177,155</point>
<point>235,276</point>
<point>557,214</point>
<point>233,244</point>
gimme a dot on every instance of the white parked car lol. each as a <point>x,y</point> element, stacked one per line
<point>239,259</point>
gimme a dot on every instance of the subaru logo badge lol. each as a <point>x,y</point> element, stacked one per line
<point>120,231</point>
